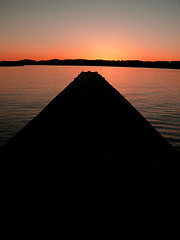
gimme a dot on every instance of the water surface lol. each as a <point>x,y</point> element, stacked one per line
<point>25,91</point>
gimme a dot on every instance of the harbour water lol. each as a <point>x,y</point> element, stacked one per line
<point>25,91</point>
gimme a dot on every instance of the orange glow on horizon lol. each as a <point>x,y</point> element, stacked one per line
<point>36,58</point>
<point>106,54</point>
<point>91,50</point>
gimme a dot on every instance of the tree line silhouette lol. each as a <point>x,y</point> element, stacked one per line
<point>98,62</point>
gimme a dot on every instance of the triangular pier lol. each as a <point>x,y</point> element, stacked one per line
<point>92,150</point>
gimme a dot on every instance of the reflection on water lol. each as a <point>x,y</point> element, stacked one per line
<point>25,91</point>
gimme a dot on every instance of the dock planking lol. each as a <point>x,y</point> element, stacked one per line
<point>91,150</point>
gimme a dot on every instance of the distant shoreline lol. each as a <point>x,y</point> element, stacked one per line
<point>84,62</point>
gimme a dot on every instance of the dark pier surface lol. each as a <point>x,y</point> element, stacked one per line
<point>91,152</point>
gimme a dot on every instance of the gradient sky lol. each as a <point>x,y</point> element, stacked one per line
<point>91,29</point>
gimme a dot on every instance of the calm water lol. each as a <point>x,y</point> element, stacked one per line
<point>25,91</point>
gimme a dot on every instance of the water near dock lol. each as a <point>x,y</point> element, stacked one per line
<point>25,91</point>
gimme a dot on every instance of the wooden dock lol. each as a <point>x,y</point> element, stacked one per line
<point>90,150</point>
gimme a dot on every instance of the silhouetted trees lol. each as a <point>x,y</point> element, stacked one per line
<point>97,62</point>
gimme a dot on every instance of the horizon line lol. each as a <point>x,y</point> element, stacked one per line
<point>98,59</point>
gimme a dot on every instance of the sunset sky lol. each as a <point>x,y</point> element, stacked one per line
<point>90,29</point>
